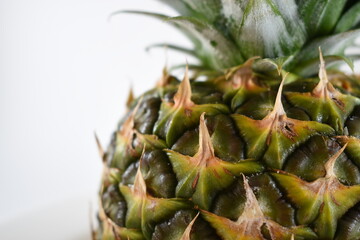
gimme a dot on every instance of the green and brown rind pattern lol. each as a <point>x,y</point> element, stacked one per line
<point>284,164</point>
<point>244,154</point>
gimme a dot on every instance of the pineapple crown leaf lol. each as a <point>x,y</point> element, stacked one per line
<point>174,47</point>
<point>350,20</point>
<point>227,33</point>
<point>306,61</point>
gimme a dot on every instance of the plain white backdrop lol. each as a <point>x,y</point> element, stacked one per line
<point>65,72</point>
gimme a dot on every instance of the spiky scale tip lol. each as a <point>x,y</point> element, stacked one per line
<point>278,110</point>
<point>206,149</point>
<point>186,234</point>
<point>164,79</point>
<point>321,90</point>
<point>329,166</point>
<point>127,129</point>
<point>130,98</point>
<point>139,187</point>
<point>252,208</point>
<point>183,96</point>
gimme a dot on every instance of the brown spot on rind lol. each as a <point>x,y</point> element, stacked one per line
<point>195,182</point>
<point>216,174</point>
<point>228,172</point>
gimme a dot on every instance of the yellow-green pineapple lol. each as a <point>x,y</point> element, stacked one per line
<point>266,147</point>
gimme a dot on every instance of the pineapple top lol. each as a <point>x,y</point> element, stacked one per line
<point>226,33</point>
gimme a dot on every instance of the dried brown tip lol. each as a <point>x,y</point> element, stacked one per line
<point>91,222</point>
<point>186,234</point>
<point>183,96</point>
<point>139,183</point>
<point>164,80</point>
<point>130,98</point>
<point>206,149</point>
<point>329,166</point>
<point>100,148</point>
<point>321,89</point>
<point>238,72</point>
<point>127,129</point>
<point>116,235</point>
<point>278,106</point>
<point>252,208</point>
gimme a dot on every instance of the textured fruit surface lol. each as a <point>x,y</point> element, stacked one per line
<point>249,147</point>
<point>268,169</point>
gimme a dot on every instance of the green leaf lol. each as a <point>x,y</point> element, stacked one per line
<point>177,48</point>
<point>268,28</point>
<point>310,67</point>
<point>334,45</point>
<point>179,6</point>
<point>320,16</point>
<point>150,14</point>
<point>212,47</point>
<point>208,10</point>
<point>349,20</point>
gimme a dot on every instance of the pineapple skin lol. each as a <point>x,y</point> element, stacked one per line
<point>283,167</point>
<point>261,149</point>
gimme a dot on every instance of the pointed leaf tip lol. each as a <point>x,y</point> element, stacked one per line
<point>329,166</point>
<point>99,146</point>
<point>183,96</point>
<point>139,183</point>
<point>321,88</point>
<point>252,208</point>
<point>130,98</point>
<point>186,234</point>
<point>278,107</point>
<point>206,149</point>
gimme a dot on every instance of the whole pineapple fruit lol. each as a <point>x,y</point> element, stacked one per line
<point>255,145</point>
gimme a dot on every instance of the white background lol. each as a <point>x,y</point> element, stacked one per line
<point>65,71</point>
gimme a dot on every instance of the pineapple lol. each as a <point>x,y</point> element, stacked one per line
<point>266,147</point>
